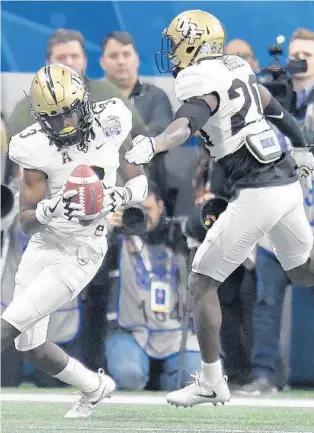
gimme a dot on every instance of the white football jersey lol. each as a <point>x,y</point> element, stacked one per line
<point>32,149</point>
<point>239,111</point>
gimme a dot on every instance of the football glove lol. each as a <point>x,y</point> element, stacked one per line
<point>305,163</point>
<point>144,149</point>
<point>59,206</point>
<point>114,198</point>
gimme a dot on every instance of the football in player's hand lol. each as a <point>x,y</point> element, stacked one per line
<point>90,191</point>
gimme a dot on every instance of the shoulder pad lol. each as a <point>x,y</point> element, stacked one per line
<point>27,149</point>
<point>115,118</point>
<point>198,80</point>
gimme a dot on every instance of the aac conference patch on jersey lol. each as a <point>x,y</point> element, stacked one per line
<point>112,126</point>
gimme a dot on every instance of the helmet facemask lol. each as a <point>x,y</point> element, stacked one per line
<point>69,125</point>
<point>166,60</point>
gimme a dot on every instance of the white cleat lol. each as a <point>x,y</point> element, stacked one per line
<point>84,407</point>
<point>200,392</point>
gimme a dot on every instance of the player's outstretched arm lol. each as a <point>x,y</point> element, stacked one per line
<point>133,175</point>
<point>278,116</point>
<point>189,118</point>
<point>135,188</point>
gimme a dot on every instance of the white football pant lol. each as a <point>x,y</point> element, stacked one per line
<point>47,278</point>
<point>276,210</point>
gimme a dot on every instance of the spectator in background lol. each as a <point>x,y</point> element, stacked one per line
<point>148,288</point>
<point>120,62</point>
<point>268,373</point>
<point>302,47</point>
<point>240,48</point>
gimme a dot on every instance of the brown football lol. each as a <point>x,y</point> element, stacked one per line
<point>90,191</point>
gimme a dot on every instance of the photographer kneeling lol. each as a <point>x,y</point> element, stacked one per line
<point>147,264</point>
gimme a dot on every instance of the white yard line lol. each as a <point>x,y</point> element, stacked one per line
<point>154,400</point>
<point>146,429</point>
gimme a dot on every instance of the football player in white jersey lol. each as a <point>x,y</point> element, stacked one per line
<point>64,253</point>
<point>222,100</point>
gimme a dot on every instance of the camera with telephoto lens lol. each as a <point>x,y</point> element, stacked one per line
<point>134,221</point>
<point>278,78</point>
<point>196,225</point>
<point>203,217</point>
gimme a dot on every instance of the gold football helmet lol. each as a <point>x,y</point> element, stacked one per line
<point>60,103</point>
<point>191,36</point>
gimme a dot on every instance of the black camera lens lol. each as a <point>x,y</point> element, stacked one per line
<point>134,220</point>
<point>7,201</point>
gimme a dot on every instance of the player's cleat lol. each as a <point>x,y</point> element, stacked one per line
<point>84,407</point>
<point>200,392</point>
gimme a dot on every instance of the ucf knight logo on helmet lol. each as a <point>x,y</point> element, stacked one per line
<point>189,29</point>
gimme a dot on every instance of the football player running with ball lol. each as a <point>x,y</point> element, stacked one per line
<point>222,100</point>
<point>64,252</point>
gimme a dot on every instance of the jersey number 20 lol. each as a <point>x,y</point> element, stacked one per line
<point>238,119</point>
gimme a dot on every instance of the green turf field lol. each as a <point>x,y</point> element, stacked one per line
<point>25,417</point>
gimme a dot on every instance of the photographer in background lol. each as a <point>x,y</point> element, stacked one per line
<point>301,47</point>
<point>269,370</point>
<point>148,270</point>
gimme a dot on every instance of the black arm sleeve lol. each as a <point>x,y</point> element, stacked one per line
<point>286,123</point>
<point>197,111</point>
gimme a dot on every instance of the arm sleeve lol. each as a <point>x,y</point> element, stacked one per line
<point>197,111</point>
<point>286,124</point>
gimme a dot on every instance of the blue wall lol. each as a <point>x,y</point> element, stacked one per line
<point>26,26</point>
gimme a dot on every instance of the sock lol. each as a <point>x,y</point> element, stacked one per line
<point>212,373</point>
<point>77,375</point>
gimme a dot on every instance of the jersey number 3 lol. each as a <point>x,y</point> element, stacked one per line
<point>238,119</point>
